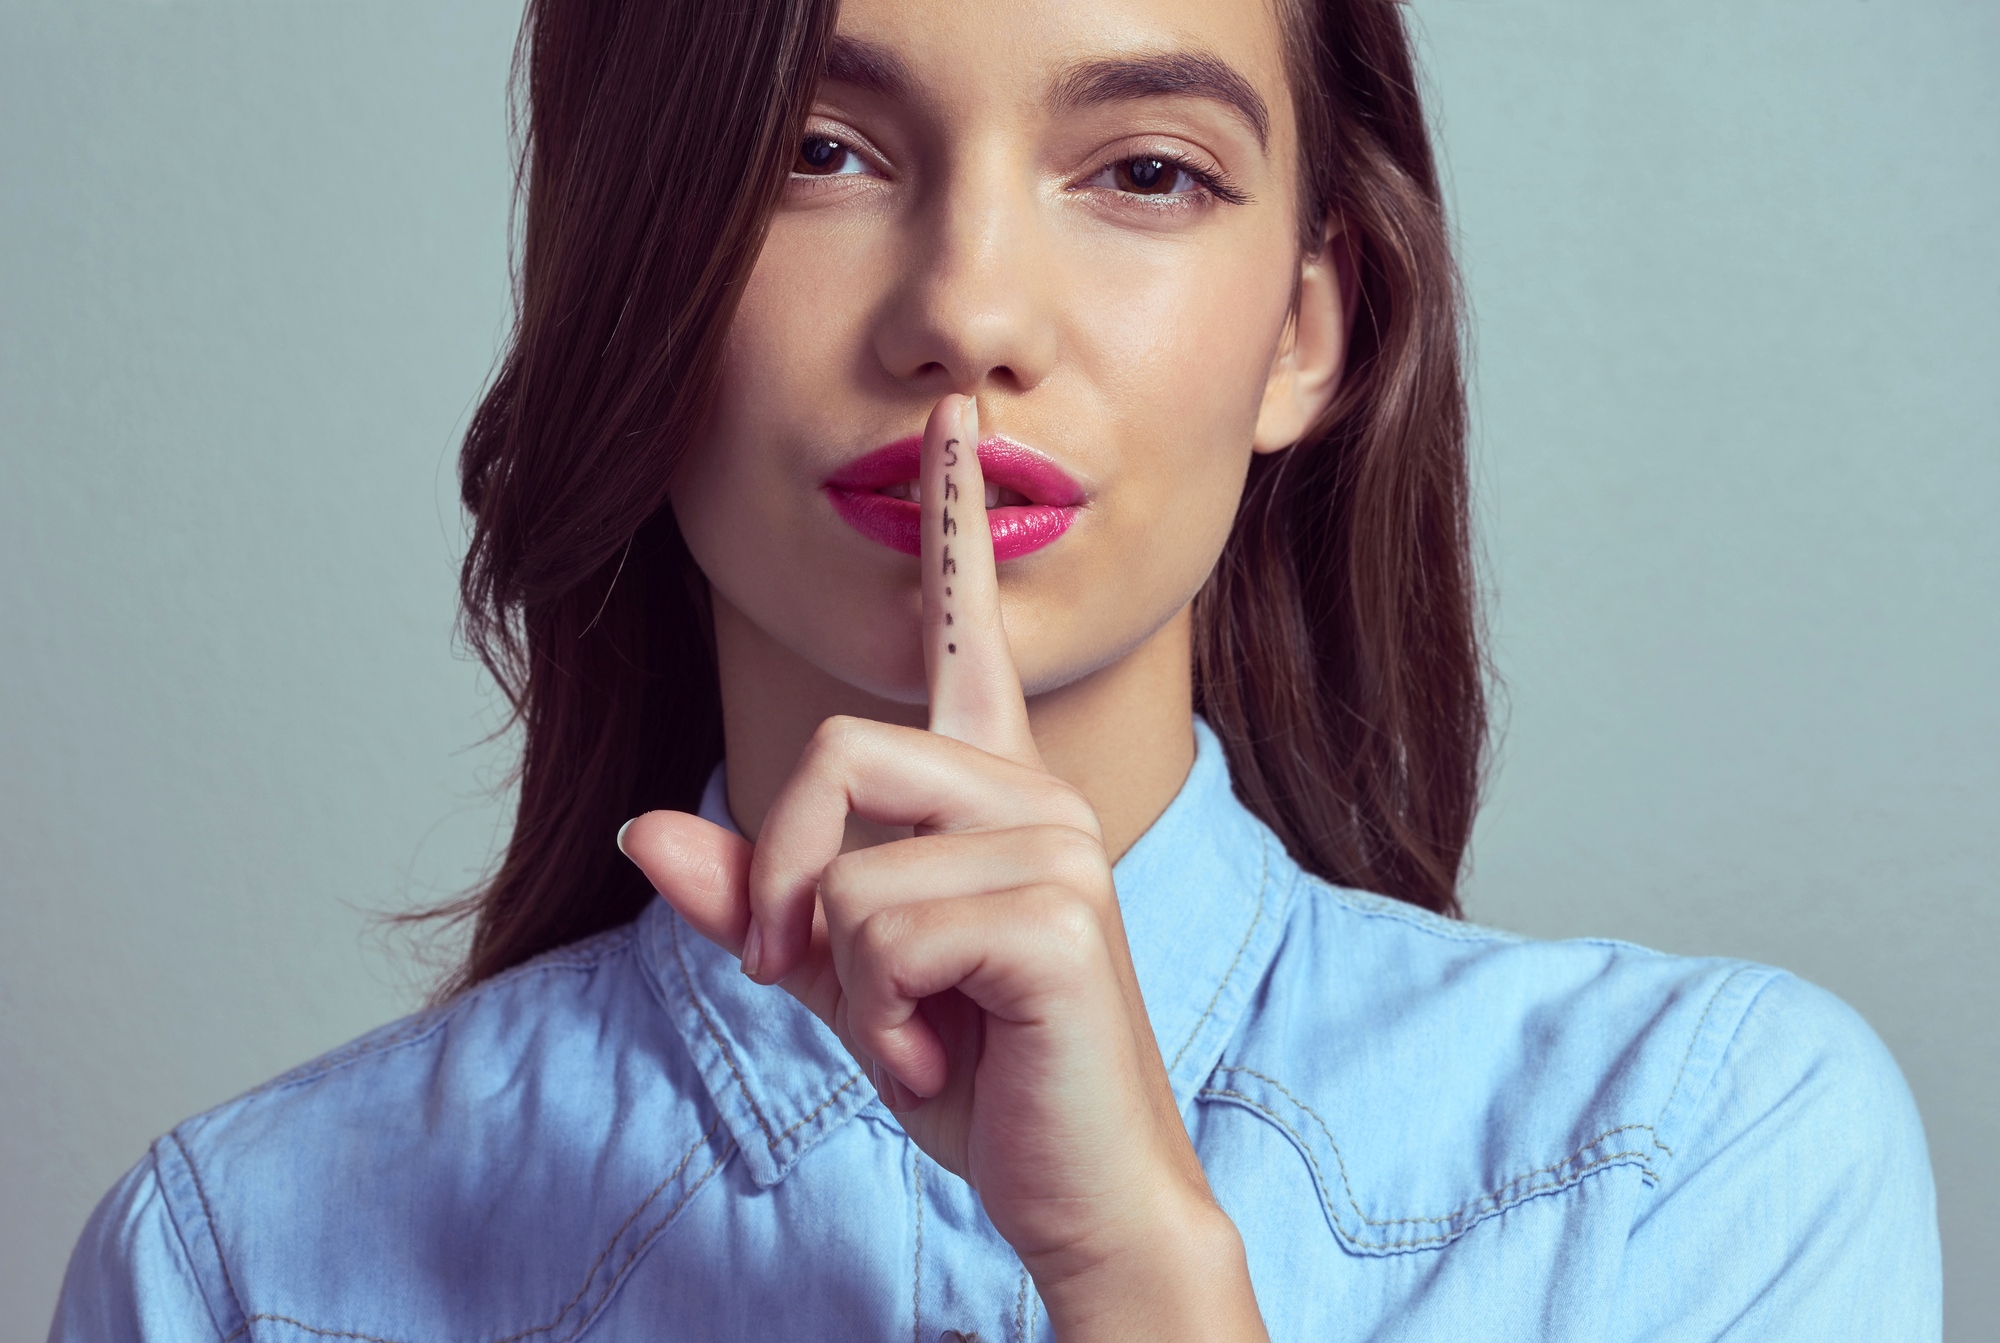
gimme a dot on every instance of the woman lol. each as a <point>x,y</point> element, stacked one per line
<point>983,485</point>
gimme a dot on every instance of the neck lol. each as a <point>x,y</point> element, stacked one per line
<point>1122,735</point>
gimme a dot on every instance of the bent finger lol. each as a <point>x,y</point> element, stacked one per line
<point>893,776</point>
<point>938,866</point>
<point>1025,956</point>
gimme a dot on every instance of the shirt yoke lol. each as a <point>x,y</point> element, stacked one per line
<point>508,1107</point>
<point>1432,1074</point>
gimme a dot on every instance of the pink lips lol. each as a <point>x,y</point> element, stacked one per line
<point>1053,498</point>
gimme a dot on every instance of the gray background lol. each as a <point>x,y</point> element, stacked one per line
<point>1735,287</point>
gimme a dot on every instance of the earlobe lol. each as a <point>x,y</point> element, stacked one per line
<point>1312,353</point>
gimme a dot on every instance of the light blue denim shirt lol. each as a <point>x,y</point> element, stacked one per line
<point>1423,1129</point>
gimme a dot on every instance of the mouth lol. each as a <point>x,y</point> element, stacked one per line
<point>1030,501</point>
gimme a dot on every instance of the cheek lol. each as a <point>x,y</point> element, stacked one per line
<point>1174,345</point>
<point>748,496</point>
<point>1179,342</point>
<point>751,473</point>
<point>726,489</point>
<point>799,304</point>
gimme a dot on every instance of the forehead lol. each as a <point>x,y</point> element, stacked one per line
<point>971,51</point>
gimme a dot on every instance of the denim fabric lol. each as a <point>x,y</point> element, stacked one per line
<point>1424,1130</point>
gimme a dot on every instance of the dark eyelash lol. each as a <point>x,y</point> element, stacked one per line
<point>1214,183</point>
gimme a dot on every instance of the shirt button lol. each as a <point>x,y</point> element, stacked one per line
<point>953,1336</point>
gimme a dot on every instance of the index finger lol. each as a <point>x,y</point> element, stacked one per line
<point>975,692</point>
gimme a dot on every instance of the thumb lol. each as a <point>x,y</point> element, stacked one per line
<point>698,867</point>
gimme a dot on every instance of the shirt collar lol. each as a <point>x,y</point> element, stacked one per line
<point>1203,895</point>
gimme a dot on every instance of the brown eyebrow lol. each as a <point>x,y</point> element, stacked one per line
<point>865,65</point>
<point>1175,73</point>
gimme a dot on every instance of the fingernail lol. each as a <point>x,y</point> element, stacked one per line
<point>753,949</point>
<point>621,836</point>
<point>882,1084</point>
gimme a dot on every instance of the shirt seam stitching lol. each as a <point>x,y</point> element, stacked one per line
<point>617,1278</point>
<point>772,1140</point>
<point>187,1251</point>
<point>838,1092</point>
<point>1257,918</point>
<point>1771,976</point>
<point>1700,1025</point>
<point>612,1244</point>
<point>1500,1197</point>
<point>244,1328</point>
<point>1412,916</point>
<point>728,1057</point>
<point>214,1231</point>
<point>646,1241</point>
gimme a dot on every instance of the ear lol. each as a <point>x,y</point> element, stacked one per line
<point>1312,352</point>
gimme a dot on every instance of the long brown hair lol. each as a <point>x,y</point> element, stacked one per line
<point>1336,650</point>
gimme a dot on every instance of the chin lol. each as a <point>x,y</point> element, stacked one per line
<point>876,652</point>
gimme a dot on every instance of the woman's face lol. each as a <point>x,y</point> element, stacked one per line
<point>1083,212</point>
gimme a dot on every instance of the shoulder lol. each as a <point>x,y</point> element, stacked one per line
<point>534,1041</point>
<point>1433,1074</point>
<point>542,1009</point>
<point>409,1157</point>
<point>131,1277</point>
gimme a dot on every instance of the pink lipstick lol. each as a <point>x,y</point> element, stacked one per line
<point>1037,500</point>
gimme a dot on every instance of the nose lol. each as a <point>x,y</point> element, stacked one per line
<point>971,313</point>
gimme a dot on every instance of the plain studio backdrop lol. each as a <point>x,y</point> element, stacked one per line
<point>1734,283</point>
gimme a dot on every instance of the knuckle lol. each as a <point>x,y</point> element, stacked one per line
<point>1070,808</point>
<point>1069,926</point>
<point>872,978</point>
<point>837,882</point>
<point>836,736</point>
<point>1073,858</point>
<point>875,941</point>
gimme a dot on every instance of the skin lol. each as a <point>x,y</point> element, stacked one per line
<point>933,809</point>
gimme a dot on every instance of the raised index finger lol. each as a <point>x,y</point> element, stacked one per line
<point>975,692</point>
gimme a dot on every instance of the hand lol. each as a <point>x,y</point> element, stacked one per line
<point>979,970</point>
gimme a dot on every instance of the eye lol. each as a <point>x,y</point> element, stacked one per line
<point>1152,177</point>
<point>1166,179</point>
<point>824,156</point>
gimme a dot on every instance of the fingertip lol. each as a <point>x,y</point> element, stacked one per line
<point>912,1055</point>
<point>899,1098</point>
<point>772,946</point>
